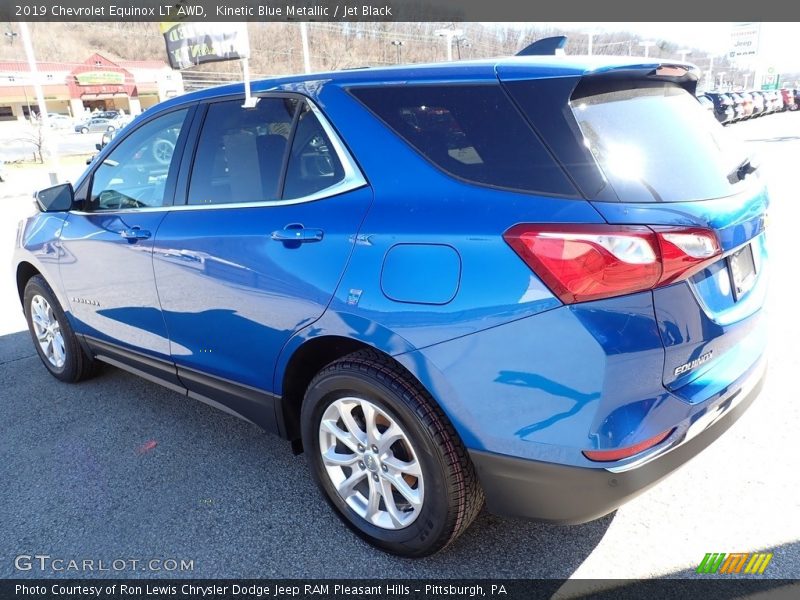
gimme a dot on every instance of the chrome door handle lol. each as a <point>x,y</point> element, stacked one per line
<point>297,234</point>
<point>134,233</point>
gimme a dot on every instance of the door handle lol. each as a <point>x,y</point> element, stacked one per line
<point>295,233</point>
<point>134,233</point>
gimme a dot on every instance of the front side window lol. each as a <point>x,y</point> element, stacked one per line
<point>135,174</point>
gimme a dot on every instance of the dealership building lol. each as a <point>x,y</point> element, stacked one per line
<point>75,88</point>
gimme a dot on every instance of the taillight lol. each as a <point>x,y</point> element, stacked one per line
<point>588,262</point>
<point>620,453</point>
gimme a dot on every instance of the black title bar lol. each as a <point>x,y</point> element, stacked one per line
<point>395,10</point>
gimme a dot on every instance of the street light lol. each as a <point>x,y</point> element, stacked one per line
<point>449,34</point>
<point>397,44</point>
<point>647,45</point>
<point>11,35</point>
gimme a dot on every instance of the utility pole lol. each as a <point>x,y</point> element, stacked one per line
<point>398,44</point>
<point>449,34</point>
<point>34,71</point>
<point>44,119</point>
<point>647,45</point>
<point>746,77</point>
<point>304,38</point>
<point>684,53</point>
<point>710,73</point>
<point>721,76</point>
<point>591,41</point>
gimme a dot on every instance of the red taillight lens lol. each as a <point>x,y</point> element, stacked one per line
<point>619,454</point>
<point>588,262</point>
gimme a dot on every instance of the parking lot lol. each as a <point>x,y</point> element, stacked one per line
<point>119,468</point>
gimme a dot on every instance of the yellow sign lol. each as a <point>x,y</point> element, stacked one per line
<point>100,78</point>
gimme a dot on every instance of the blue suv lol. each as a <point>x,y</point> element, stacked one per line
<point>535,281</point>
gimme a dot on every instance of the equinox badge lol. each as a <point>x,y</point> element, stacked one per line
<point>686,367</point>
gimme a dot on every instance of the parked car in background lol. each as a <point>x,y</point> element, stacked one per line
<point>788,99</point>
<point>748,104</point>
<point>59,121</point>
<point>738,105</point>
<point>534,281</point>
<point>759,107</point>
<point>723,107</point>
<point>707,103</point>
<point>796,92</point>
<point>97,124</point>
<point>777,101</point>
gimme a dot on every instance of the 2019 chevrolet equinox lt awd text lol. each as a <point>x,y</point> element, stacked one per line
<point>535,281</point>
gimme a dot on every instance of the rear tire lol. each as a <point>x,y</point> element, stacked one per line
<point>411,459</point>
<point>55,341</point>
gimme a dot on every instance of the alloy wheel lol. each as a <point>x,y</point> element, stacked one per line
<point>48,331</point>
<point>371,463</point>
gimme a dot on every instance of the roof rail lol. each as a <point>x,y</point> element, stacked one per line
<point>548,46</point>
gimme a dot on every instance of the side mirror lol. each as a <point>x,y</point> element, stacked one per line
<point>58,198</point>
<point>99,146</point>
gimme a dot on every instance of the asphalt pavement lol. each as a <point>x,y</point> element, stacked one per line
<point>120,469</point>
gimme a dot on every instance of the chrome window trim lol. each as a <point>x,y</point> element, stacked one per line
<point>353,180</point>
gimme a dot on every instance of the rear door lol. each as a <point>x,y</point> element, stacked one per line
<point>664,161</point>
<point>271,210</point>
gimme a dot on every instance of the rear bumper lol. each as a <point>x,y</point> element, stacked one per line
<point>556,493</point>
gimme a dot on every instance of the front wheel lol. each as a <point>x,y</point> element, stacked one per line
<point>53,338</point>
<point>84,130</point>
<point>386,457</point>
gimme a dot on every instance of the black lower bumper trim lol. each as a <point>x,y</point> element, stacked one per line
<point>516,487</point>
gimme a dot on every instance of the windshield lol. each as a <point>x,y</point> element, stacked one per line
<point>656,143</point>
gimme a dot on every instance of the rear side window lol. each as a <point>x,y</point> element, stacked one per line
<point>313,164</point>
<point>471,131</point>
<point>240,154</point>
<point>656,143</point>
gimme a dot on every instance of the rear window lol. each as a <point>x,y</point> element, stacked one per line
<point>470,131</point>
<point>656,143</point>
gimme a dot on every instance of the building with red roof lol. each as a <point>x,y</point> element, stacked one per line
<point>75,88</point>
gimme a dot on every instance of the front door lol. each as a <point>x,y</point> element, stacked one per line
<point>107,263</point>
<point>272,208</point>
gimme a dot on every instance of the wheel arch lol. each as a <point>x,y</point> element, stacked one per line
<point>312,355</point>
<point>25,271</point>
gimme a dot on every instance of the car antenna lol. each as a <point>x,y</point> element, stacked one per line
<point>549,46</point>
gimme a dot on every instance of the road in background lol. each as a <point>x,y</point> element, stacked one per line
<point>119,468</point>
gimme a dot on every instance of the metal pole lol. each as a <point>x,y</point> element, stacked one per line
<point>710,75</point>
<point>591,40</point>
<point>304,37</point>
<point>449,38</point>
<point>37,86</point>
<point>44,120</point>
<point>249,101</point>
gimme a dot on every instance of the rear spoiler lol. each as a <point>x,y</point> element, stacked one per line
<point>684,75</point>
